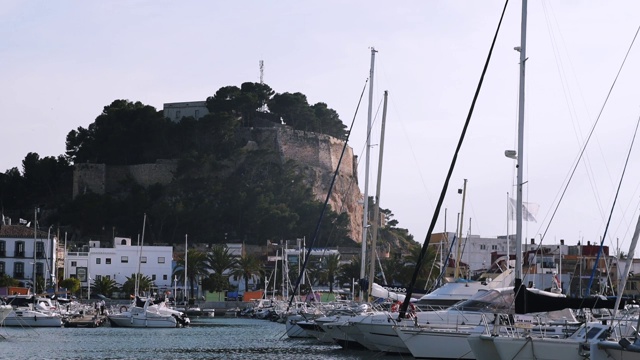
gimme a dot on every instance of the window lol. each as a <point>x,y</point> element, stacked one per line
<point>98,278</point>
<point>143,259</point>
<point>164,277</point>
<point>40,249</point>
<point>494,247</point>
<point>123,242</point>
<point>97,260</point>
<point>177,114</point>
<point>153,277</point>
<point>3,249</point>
<point>124,259</point>
<point>483,247</point>
<point>40,270</point>
<point>108,277</point>
<point>18,270</point>
<point>107,261</point>
<point>19,249</point>
<point>81,273</point>
<point>74,264</point>
<point>2,271</point>
<point>161,260</point>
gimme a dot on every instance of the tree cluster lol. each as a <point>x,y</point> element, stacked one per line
<point>220,192</point>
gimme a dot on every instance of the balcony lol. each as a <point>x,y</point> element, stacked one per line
<point>18,275</point>
<point>18,254</point>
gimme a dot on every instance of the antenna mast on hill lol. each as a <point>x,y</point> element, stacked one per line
<point>261,71</point>
<point>263,108</point>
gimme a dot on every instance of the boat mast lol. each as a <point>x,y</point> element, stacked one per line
<point>185,268</point>
<point>520,155</point>
<point>376,205</point>
<point>365,216</point>
<point>141,243</point>
<point>459,240</point>
<point>35,242</point>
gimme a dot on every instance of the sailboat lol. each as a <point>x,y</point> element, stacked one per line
<point>147,313</point>
<point>29,311</point>
<point>587,340</point>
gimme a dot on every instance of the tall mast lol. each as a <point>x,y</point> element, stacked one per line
<point>520,155</point>
<point>459,241</point>
<point>141,243</point>
<point>35,241</point>
<point>376,205</point>
<point>365,216</point>
<point>185,265</point>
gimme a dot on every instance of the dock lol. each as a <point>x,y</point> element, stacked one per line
<point>89,321</point>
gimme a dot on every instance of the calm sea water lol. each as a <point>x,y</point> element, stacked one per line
<point>206,338</point>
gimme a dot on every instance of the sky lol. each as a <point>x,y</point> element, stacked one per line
<point>62,62</point>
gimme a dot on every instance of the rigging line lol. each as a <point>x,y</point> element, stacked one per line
<point>445,265</point>
<point>593,128</point>
<point>573,112</point>
<point>434,219</point>
<point>589,170</point>
<point>415,159</point>
<point>615,199</point>
<point>326,201</point>
<point>351,183</point>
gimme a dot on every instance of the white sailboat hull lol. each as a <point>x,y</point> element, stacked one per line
<point>483,347</point>
<point>293,330</point>
<point>520,348</point>
<point>354,332</point>
<point>29,318</point>
<point>437,343</point>
<point>379,333</point>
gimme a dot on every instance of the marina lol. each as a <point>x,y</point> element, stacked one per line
<point>206,338</point>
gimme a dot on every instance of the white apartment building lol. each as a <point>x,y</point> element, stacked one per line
<point>120,262</point>
<point>24,251</point>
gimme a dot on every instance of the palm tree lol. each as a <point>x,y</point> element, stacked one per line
<point>247,267</point>
<point>6,280</point>
<point>104,286</point>
<point>425,274</point>
<point>220,260</point>
<point>330,265</point>
<point>197,267</point>
<point>144,283</point>
<point>350,271</point>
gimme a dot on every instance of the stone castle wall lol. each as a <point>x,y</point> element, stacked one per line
<point>318,154</point>
<point>102,179</point>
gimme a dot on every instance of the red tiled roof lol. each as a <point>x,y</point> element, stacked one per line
<point>20,231</point>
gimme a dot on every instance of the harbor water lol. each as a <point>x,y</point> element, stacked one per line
<point>206,338</point>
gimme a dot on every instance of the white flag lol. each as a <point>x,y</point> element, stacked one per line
<point>529,210</point>
<point>22,221</point>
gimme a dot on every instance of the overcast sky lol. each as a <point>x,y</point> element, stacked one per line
<point>62,62</point>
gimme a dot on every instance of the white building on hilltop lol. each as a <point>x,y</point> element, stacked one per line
<point>176,111</point>
<point>120,262</point>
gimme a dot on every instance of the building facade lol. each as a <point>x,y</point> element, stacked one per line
<point>120,262</point>
<point>25,252</point>
<point>176,111</point>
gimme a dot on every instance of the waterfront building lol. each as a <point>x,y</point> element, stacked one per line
<point>91,263</point>
<point>25,252</point>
